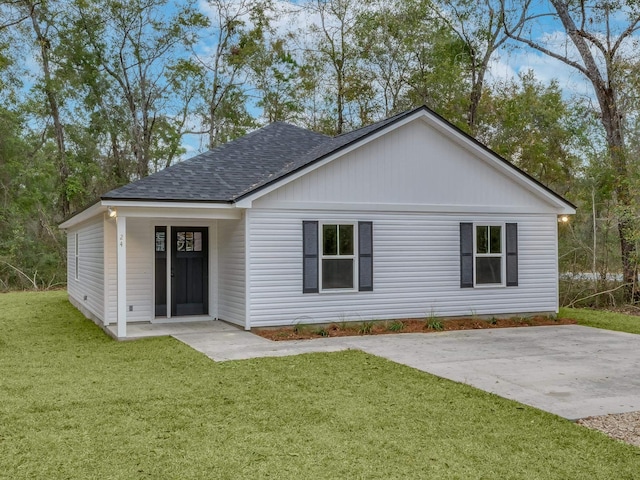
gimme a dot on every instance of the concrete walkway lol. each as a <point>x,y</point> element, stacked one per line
<point>572,371</point>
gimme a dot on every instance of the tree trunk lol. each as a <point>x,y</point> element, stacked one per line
<point>340,101</point>
<point>54,110</point>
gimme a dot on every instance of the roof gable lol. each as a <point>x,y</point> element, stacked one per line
<point>344,144</point>
<point>412,168</point>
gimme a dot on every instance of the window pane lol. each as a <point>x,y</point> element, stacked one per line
<point>160,239</point>
<point>488,270</point>
<point>337,273</point>
<point>496,239</point>
<point>346,240</point>
<point>482,239</point>
<point>330,239</point>
<point>180,241</point>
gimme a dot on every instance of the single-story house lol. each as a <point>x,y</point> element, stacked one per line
<point>406,218</point>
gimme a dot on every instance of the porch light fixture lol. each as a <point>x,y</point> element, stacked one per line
<point>112,212</point>
<point>563,218</point>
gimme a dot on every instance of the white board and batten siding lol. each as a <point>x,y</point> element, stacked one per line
<point>416,186</point>
<point>88,288</point>
<point>411,168</point>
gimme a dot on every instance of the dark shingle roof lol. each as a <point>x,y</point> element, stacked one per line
<point>223,173</point>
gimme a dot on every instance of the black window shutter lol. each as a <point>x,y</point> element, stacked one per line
<point>466,255</point>
<point>309,257</point>
<point>365,256</point>
<point>512,254</point>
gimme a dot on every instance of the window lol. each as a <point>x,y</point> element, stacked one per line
<point>330,256</point>
<point>77,256</point>
<point>488,254</point>
<point>337,256</point>
<point>188,241</point>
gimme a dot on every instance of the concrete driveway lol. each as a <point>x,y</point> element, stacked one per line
<point>572,371</point>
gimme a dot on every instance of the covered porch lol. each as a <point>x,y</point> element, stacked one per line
<point>173,267</point>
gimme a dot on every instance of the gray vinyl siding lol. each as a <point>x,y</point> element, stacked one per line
<point>416,269</point>
<point>231,271</point>
<point>90,281</point>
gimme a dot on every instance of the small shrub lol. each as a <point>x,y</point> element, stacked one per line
<point>435,325</point>
<point>366,328</point>
<point>323,332</point>
<point>299,328</point>
<point>395,326</point>
<point>493,321</point>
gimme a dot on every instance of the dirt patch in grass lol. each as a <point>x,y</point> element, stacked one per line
<point>305,332</point>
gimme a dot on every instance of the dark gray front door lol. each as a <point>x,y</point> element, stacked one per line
<point>189,271</point>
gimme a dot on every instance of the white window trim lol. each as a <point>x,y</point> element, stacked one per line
<point>77,256</point>
<point>502,255</point>
<point>322,257</point>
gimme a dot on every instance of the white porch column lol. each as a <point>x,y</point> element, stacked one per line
<point>121,249</point>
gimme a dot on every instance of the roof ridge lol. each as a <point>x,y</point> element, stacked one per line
<point>385,120</point>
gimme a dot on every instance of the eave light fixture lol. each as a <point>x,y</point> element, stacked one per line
<point>563,218</point>
<point>112,212</point>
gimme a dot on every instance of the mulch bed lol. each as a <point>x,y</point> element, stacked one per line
<point>304,332</point>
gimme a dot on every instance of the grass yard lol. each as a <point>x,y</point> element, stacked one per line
<point>603,319</point>
<point>76,404</point>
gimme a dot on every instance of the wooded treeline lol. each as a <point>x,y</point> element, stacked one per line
<point>97,93</point>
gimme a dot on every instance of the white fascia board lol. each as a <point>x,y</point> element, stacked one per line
<point>157,204</point>
<point>175,210</point>
<point>150,209</point>
<point>560,207</point>
<point>83,216</point>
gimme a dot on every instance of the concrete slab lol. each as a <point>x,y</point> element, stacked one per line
<point>148,330</point>
<point>572,371</point>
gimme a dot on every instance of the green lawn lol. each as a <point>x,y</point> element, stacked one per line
<point>76,404</point>
<point>603,319</point>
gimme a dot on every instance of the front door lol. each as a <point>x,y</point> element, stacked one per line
<point>189,271</point>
